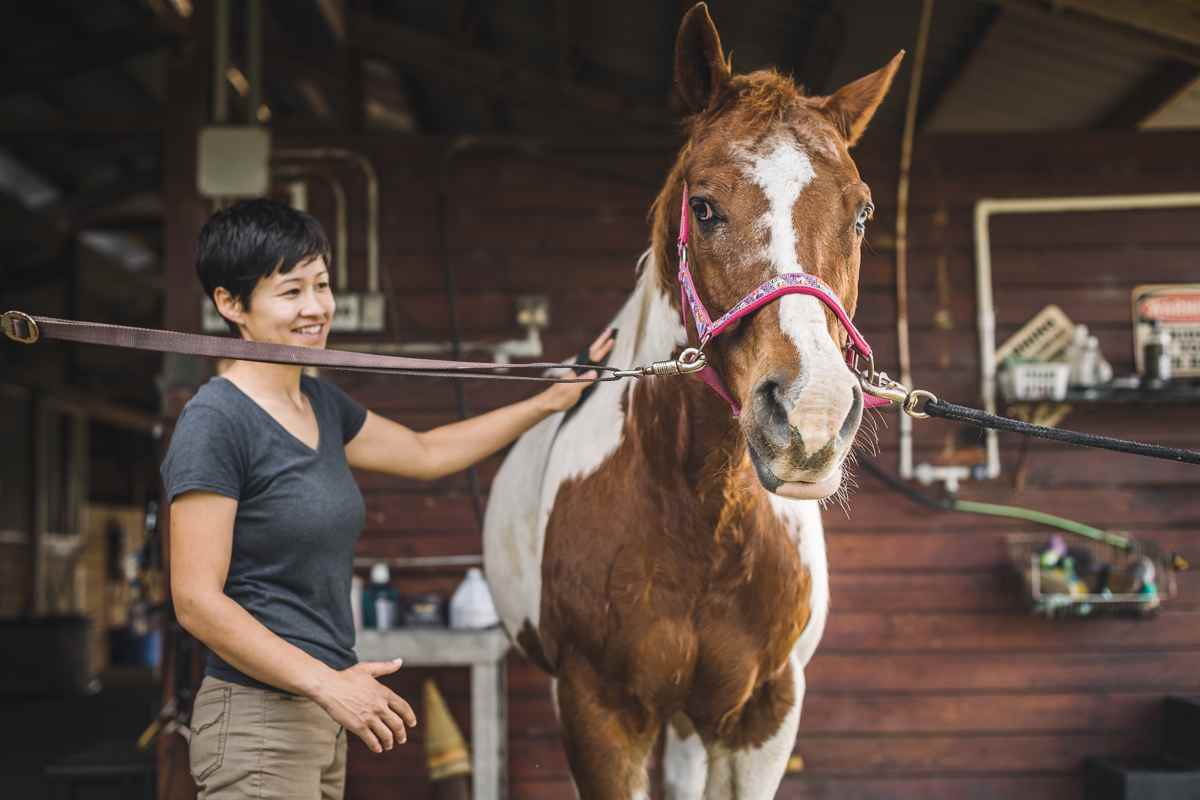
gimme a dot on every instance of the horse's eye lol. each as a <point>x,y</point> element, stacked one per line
<point>864,214</point>
<point>703,211</point>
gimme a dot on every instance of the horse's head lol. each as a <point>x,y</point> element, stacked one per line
<point>772,189</point>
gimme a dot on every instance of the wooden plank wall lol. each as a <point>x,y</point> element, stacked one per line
<point>932,682</point>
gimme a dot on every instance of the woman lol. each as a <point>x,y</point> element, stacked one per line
<point>265,515</point>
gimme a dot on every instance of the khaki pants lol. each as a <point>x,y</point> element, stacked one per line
<point>255,744</point>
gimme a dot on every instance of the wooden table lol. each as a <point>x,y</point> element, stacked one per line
<point>484,652</point>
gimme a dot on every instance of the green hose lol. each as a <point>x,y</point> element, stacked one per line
<point>1175,560</point>
<point>1040,517</point>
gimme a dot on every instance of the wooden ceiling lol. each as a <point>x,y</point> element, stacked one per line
<point>85,87</point>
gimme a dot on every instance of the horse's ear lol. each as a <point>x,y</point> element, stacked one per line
<point>853,105</point>
<point>700,66</point>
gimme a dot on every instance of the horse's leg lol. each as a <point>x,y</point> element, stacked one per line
<point>607,735</point>
<point>685,761</point>
<point>754,772</point>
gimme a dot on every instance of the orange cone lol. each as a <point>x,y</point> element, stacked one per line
<point>446,753</point>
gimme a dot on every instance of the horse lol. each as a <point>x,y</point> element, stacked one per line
<point>662,559</point>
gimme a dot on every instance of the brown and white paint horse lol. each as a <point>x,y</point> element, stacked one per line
<point>664,561</point>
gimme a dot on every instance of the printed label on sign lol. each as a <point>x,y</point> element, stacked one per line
<point>1176,308</point>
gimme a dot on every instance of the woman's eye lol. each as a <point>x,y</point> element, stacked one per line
<point>864,214</point>
<point>703,211</point>
<point>292,293</point>
<point>323,286</point>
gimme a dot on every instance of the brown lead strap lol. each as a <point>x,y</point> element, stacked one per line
<point>27,329</point>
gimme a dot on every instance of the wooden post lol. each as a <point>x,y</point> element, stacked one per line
<point>489,730</point>
<point>189,88</point>
<point>39,495</point>
<point>189,91</point>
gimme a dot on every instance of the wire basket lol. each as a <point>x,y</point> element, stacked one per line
<point>1052,596</point>
<point>1035,380</point>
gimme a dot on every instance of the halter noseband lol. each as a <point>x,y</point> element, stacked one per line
<point>769,291</point>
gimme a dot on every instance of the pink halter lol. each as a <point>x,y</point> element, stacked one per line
<point>769,291</point>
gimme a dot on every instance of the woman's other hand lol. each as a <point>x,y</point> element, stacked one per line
<point>562,396</point>
<point>358,702</point>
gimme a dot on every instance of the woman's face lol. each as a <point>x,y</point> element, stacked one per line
<point>294,308</point>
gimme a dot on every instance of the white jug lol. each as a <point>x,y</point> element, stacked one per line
<point>471,605</point>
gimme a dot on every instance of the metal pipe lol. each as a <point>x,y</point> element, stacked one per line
<point>220,89</point>
<point>297,190</point>
<point>910,124</point>
<point>254,57</point>
<point>372,178</point>
<point>985,209</point>
<point>340,256</point>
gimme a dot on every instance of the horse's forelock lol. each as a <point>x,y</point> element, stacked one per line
<point>760,98</point>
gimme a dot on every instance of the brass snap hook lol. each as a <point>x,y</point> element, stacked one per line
<point>20,327</point>
<point>914,404</point>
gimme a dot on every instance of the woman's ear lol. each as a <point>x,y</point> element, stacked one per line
<point>229,306</point>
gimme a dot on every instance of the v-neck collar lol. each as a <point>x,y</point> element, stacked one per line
<point>280,425</point>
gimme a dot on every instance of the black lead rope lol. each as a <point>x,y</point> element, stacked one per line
<point>973,416</point>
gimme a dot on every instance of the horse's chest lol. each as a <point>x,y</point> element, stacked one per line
<point>677,616</point>
<point>719,666</point>
<point>673,634</point>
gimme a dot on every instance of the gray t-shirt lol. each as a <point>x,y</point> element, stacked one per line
<point>299,512</point>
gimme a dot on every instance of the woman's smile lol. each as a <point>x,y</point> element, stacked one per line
<point>311,333</point>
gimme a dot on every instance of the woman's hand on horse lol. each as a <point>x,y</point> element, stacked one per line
<point>357,701</point>
<point>562,396</point>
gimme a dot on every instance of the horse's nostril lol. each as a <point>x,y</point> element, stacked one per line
<point>854,416</point>
<point>772,410</point>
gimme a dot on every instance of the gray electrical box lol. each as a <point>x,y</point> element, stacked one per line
<point>233,161</point>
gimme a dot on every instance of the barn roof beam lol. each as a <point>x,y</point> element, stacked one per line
<point>956,62</point>
<point>1167,47</point>
<point>1170,20</point>
<point>1152,93</point>
<point>441,60</point>
<point>41,67</point>
<point>83,208</point>
<point>46,228</point>
<point>334,14</point>
<point>86,125</point>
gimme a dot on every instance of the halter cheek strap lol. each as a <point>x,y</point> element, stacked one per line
<point>768,292</point>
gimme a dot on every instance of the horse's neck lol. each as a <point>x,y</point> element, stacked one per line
<point>650,325</point>
<point>678,422</point>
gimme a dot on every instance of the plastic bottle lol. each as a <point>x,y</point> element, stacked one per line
<point>1156,356</point>
<point>356,601</point>
<point>471,605</point>
<point>1074,355</point>
<point>1102,371</point>
<point>380,600</point>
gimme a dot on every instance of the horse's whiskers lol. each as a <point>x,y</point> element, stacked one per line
<point>867,438</point>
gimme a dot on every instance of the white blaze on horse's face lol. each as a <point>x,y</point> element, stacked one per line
<point>802,420</point>
<point>782,172</point>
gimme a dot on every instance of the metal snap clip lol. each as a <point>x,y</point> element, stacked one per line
<point>20,327</point>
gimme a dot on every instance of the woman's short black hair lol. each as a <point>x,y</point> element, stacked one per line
<point>242,244</point>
